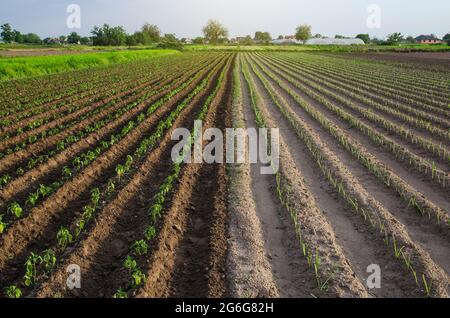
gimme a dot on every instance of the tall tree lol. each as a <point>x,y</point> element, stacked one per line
<point>263,37</point>
<point>447,38</point>
<point>7,33</point>
<point>364,37</point>
<point>394,38</point>
<point>107,35</point>
<point>214,31</point>
<point>151,33</point>
<point>303,33</point>
<point>73,38</point>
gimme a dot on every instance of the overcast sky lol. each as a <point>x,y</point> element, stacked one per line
<point>186,18</point>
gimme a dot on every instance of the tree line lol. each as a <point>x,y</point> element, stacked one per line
<point>213,33</point>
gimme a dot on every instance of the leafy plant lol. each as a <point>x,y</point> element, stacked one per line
<point>15,209</point>
<point>137,278</point>
<point>120,294</point>
<point>64,238</point>
<point>120,170</point>
<point>30,269</point>
<point>140,247</point>
<point>2,224</point>
<point>13,292</point>
<point>150,233</point>
<point>49,260</point>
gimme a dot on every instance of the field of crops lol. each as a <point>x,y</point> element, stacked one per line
<point>86,178</point>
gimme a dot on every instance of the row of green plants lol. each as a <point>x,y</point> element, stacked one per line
<point>379,81</point>
<point>141,247</point>
<point>85,159</point>
<point>97,125</point>
<point>400,152</point>
<point>36,117</point>
<point>29,104</point>
<point>411,196</point>
<point>67,236</point>
<point>407,74</point>
<point>49,126</point>
<point>421,119</point>
<point>133,74</point>
<point>44,90</point>
<point>324,273</point>
<point>402,248</point>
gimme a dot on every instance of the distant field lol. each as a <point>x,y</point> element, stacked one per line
<point>20,67</point>
<point>328,48</point>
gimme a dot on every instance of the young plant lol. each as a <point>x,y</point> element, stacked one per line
<point>13,292</point>
<point>137,278</point>
<point>2,224</point>
<point>49,260</point>
<point>150,233</point>
<point>120,170</point>
<point>95,196</point>
<point>140,247</point>
<point>64,238</point>
<point>130,264</point>
<point>30,269</point>
<point>120,294</point>
<point>15,209</point>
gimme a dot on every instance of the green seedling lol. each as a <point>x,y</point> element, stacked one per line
<point>15,209</point>
<point>64,238</point>
<point>13,292</point>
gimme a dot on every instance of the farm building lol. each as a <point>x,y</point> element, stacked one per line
<point>428,39</point>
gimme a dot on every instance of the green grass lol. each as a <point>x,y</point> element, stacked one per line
<point>20,67</point>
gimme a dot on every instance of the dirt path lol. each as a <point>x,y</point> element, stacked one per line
<point>289,269</point>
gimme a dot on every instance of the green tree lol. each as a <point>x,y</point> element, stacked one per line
<point>151,33</point>
<point>199,40</point>
<point>170,41</point>
<point>214,31</point>
<point>85,40</point>
<point>303,33</point>
<point>410,39</point>
<point>247,41</point>
<point>394,38</point>
<point>263,37</point>
<point>18,37</point>
<point>7,33</point>
<point>107,35</point>
<point>447,38</point>
<point>73,38</point>
<point>280,37</point>
<point>364,37</point>
<point>32,38</point>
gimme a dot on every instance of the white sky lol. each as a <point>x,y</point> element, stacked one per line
<point>186,18</point>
